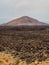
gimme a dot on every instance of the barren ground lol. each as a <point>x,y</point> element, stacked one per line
<point>28,47</point>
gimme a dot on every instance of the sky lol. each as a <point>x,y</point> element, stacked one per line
<point>11,9</point>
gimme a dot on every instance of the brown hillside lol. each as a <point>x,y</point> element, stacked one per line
<point>26,42</point>
<point>25,20</point>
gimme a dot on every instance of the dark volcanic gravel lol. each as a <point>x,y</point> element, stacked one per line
<point>27,45</point>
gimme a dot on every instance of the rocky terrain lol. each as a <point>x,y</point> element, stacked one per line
<point>29,43</point>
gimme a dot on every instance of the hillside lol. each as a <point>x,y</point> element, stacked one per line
<point>27,42</point>
<point>24,20</point>
<point>24,23</point>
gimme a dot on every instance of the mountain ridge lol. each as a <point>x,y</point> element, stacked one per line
<point>24,20</point>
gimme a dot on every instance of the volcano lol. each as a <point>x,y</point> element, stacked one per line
<point>24,20</point>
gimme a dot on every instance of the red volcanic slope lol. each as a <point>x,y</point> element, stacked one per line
<point>25,20</point>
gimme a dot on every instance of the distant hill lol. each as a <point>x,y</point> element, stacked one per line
<point>23,22</point>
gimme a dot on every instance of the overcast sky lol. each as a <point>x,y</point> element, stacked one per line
<point>11,9</point>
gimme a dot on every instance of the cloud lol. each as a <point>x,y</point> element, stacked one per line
<point>15,8</point>
<point>3,17</point>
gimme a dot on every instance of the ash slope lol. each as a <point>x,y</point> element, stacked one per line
<point>25,20</point>
<point>24,23</point>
